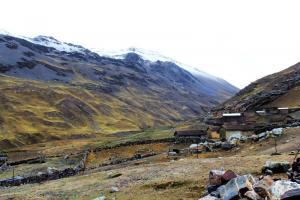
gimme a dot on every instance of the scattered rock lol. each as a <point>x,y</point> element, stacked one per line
<point>254,138</point>
<point>291,195</point>
<point>294,172</point>
<point>100,198</point>
<point>277,131</point>
<point>114,175</point>
<point>40,173</point>
<point>263,135</point>
<point>226,185</point>
<point>227,176</point>
<point>215,177</point>
<point>268,172</point>
<point>280,187</point>
<point>213,188</point>
<point>172,153</point>
<point>276,167</point>
<point>208,197</point>
<point>262,187</point>
<point>252,195</point>
<point>114,189</point>
<point>237,186</point>
<point>227,146</point>
<point>292,153</point>
<point>51,170</point>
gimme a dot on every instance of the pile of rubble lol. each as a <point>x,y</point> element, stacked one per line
<point>233,141</point>
<point>227,185</point>
<point>214,145</point>
<point>276,132</point>
<point>294,172</point>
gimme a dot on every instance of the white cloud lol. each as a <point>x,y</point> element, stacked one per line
<point>239,41</point>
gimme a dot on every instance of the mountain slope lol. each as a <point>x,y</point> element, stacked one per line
<point>214,83</point>
<point>281,89</point>
<point>51,90</point>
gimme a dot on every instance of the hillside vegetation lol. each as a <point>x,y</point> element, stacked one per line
<point>50,93</point>
<point>276,90</point>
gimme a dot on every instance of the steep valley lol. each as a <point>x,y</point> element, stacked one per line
<point>53,90</point>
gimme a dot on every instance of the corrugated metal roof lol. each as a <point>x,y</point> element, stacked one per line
<point>284,108</point>
<point>232,114</point>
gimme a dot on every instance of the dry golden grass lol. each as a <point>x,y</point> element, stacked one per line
<point>182,179</point>
<point>34,112</point>
<point>156,177</point>
<point>290,99</point>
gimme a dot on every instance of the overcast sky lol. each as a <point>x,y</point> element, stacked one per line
<point>237,40</point>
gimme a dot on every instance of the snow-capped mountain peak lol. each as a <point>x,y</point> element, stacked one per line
<point>4,32</point>
<point>49,42</point>
<point>153,57</point>
<point>56,44</point>
<point>149,55</point>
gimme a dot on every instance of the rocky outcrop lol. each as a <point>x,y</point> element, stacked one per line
<point>248,187</point>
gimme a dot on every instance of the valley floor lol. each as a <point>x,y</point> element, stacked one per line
<point>158,177</point>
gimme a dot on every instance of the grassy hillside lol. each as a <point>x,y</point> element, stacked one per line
<point>32,111</point>
<point>280,90</point>
<point>290,99</point>
<point>50,94</point>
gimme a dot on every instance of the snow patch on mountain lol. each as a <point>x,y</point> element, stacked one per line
<point>4,32</point>
<point>121,54</point>
<point>56,44</point>
<point>153,57</point>
<point>48,41</point>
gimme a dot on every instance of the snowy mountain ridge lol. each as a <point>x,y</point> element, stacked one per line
<point>48,41</point>
<point>149,55</point>
<point>153,56</point>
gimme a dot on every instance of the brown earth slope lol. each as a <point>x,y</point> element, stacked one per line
<point>281,89</point>
<point>49,94</point>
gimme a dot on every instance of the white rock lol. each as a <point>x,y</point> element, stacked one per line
<point>51,170</point>
<point>278,188</point>
<point>114,189</point>
<point>208,197</point>
<point>40,173</point>
<point>100,198</point>
<point>236,136</point>
<point>277,131</point>
<point>251,194</point>
<point>172,153</point>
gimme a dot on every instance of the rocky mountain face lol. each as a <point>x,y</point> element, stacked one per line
<point>281,89</point>
<point>50,89</point>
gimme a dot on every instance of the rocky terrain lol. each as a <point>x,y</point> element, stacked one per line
<point>156,177</point>
<point>52,90</point>
<point>277,90</point>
